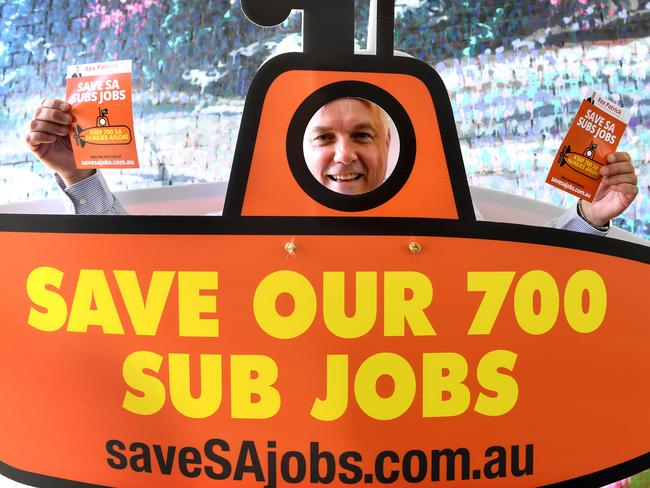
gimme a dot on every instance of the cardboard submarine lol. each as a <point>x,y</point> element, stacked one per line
<point>307,337</point>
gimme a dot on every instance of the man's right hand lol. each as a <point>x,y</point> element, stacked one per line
<point>49,140</point>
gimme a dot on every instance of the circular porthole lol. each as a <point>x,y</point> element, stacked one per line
<point>351,146</point>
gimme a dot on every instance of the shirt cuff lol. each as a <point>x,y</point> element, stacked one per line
<point>571,220</point>
<point>90,196</point>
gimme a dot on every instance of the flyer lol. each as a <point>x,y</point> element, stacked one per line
<point>102,133</point>
<point>594,133</point>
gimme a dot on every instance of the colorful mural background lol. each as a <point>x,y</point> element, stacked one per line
<point>515,71</point>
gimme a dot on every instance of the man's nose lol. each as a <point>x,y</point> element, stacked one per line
<point>345,152</point>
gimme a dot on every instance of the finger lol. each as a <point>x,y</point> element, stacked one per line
<point>617,168</point>
<point>620,178</point>
<point>48,127</point>
<point>56,104</point>
<point>618,156</point>
<point>46,114</point>
<point>35,139</point>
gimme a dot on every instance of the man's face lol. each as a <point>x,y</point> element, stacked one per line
<point>346,146</point>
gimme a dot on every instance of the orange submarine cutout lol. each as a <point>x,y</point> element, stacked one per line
<point>570,309</point>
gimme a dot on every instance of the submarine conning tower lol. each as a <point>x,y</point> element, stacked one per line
<point>328,26</point>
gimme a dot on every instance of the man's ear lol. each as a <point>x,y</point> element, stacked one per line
<point>388,137</point>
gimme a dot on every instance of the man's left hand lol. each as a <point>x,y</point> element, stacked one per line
<point>616,192</point>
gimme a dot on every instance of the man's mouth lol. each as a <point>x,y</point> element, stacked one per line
<point>345,178</point>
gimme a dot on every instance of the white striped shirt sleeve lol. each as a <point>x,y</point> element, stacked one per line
<point>90,196</point>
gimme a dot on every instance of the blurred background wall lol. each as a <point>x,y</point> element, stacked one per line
<point>515,71</point>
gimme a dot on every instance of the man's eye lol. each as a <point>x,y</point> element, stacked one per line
<point>323,138</point>
<point>363,136</point>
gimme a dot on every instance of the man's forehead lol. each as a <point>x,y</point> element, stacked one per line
<point>349,104</point>
<point>345,107</point>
